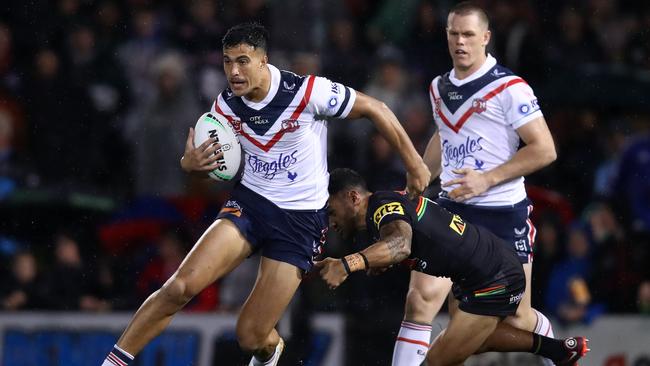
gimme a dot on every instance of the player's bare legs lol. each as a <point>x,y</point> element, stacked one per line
<point>507,338</point>
<point>526,317</point>
<point>424,299</point>
<point>463,337</point>
<point>275,285</point>
<point>217,252</point>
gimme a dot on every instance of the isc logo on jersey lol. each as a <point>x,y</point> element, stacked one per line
<point>387,209</point>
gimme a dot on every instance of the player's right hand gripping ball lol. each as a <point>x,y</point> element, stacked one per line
<point>216,125</point>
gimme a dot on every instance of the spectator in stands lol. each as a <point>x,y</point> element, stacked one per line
<point>111,24</point>
<point>637,50</point>
<point>633,181</point>
<point>235,287</point>
<point>199,28</point>
<point>97,74</point>
<point>643,298</point>
<point>515,38</point>
<point>68,282</point>
<point>574,41</point>
<point>384,169</point>
<point>427,41</point>
<point>172,247</point>
<point>417,122</point>
<point>15,168</point>
<point>390,81</point>
<point>10,78</point>
<point>344,59</point>
<point>568,295</point>
<point>139,52</point>
<point>154,134</point>
<point>612,26</point>
<point>58,114</point>
<point>547,253</point>
<point>23,290</point>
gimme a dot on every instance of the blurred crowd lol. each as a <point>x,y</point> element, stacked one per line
<point>96,98</point>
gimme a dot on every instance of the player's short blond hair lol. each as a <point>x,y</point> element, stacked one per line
<point>469,7</point>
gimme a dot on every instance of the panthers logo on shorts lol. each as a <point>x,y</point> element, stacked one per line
<point>387,209</point>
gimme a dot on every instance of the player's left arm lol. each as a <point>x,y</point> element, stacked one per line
<point>394,246</point>
<point>538,153</point>
<point>388,125</point>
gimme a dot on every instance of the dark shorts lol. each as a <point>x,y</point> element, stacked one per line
<point>510,223</point>
<point>500,296</point>
<point>290,236</point>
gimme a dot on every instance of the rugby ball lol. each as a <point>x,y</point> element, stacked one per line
<point>216,125</point>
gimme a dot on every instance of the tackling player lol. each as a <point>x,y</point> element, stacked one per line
<point>482,110</point>
<point>279,206</point>
<point>488,278</point>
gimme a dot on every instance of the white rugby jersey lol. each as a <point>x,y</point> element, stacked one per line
<point>477,118</point>
<point>284,137</point>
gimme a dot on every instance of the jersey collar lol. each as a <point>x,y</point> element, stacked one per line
<point>275,84</point>
<point>487,65</point>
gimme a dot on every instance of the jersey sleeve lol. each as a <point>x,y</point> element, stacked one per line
<point>331,99</point>
<point>386,207</point>
<point>432,99</point>
<point>520,105</point>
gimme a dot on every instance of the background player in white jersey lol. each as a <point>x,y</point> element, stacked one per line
<point>279,206</point>
<point>482,110</point>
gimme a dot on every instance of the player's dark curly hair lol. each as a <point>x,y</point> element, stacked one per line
<point>252,34</point>
<point>343,178</point>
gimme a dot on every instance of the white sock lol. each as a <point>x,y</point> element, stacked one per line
<point>412,344</point>
<point>256,361</point>
<point>273,360</point>
<point>543,326</point>
<point>117,357</point>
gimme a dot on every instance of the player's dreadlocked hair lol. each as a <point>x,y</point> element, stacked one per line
<point>252,34</point>
<point>344,178</point>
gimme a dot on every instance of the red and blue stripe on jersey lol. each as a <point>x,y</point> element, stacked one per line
<point>455,96</point>
<point>290,84</point>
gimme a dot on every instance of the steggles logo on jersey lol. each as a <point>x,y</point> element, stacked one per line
<point>455,156</point>
<point>268,170</point>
